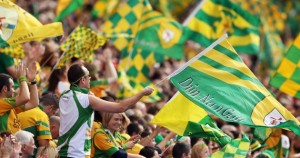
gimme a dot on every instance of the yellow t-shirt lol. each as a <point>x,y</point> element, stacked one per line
<point>36,121</point>
<point>8,115</point>
<point>102,144</point>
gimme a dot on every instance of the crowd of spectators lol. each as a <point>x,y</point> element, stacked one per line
<point>35,121</point>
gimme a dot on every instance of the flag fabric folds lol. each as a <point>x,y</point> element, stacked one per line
<point>160,34</point>
<point>218,81</point>
<point>67,7</point>
<point>216,17</point>
<point>185,118</point>
<point>81,44</point>
<point>274,144</point>
<point>105,8</point>
<point>236,148</point>
<point>287,76</point>
<point>18,26</point>
<point>272,20</point>
<point>139,63</point>
<point>16,51</point>
<point>125,22</point>
<point>132,86</point>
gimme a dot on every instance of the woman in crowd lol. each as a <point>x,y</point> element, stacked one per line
<point>106,139</point>
<point>200,150</point>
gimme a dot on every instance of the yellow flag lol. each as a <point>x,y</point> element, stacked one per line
<point>18,26</point>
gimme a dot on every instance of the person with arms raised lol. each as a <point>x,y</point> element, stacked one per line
<point>77,107</point>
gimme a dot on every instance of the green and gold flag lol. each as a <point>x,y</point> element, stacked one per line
<point>273,21</point>
<point>81,44</point>
<point>17,26</point>
<point>215,17</point>
<point>218,81</point>
<point>159,34</point>
<point>185,118</point>
<point>131,86</point>
<point>287,76</point>
<point>67,7</point>
<point>273,143</point>
<point>16,51</point>
<point>139,63</point>
<point>123,24</point>
<point>105,8</point>
<point>237,148</point>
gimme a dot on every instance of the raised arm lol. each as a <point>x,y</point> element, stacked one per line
<point>146,141</point>
<point>23,96</point>
<point>34,97</point>
<point>110,70</point>
<point>106,106</point>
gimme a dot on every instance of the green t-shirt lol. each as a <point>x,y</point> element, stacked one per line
<point>5,62</point>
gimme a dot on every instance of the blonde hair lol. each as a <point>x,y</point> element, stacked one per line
<point>50,151</point>
<point>197,149</point>
<point>107,117</point>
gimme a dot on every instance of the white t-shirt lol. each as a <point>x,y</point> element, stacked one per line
<point>75,125</point>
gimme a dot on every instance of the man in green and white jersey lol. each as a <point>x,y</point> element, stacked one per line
<point>77,107</point>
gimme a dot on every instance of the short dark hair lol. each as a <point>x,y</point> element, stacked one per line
<point>49,99</point>
<point>147,151</point>
<point>179,149</point>
<point>4,81</point>
<point>75,72</point>
<point>133,128</point>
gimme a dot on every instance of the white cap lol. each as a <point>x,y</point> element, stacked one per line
<point>285,142</point>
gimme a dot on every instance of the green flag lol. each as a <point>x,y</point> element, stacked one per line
<point>66,7</point>
<point>237,148</point>
<point>123,24</point>
<point>160,35</point>
<point>218,81</point>
<point>287,76</point>
<point>215,17</point>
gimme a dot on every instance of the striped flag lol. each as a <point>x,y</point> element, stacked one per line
<point>237,148</point>
<point>287,76</point>
<point>219,81</point>
<point>17,26</point>
<point>273,21</point>
<point>185,118</point>
<point>81,44</point>
<point>67,7</point>
<point>216,17</point>
<point>159,34</point>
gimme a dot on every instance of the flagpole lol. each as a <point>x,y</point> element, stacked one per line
<point>195,10</point>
